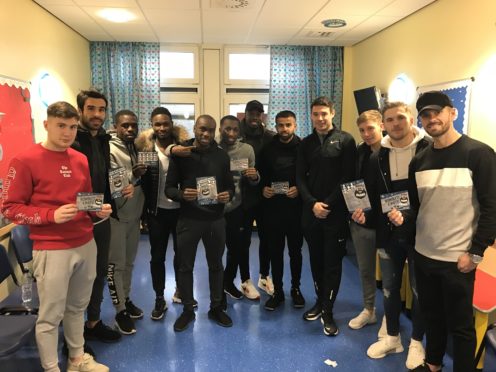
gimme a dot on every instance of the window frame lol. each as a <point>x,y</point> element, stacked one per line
<point>246,83</point>
<point>183,82</point>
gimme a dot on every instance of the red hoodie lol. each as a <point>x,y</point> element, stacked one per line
<point>38,182</point>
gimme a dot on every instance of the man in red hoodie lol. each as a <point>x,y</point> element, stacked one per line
<point>42,187</point>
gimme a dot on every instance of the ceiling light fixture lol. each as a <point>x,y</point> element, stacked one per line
<point>117,15</point>
<point>334,23</point>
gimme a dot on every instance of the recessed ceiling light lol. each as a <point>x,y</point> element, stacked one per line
<point>334,23</point>
<point>117,15</point>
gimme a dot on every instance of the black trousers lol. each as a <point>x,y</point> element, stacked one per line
<point>327,247</point>
<point>445,296</point>
<point>160,227</point>
<point>213,236</point>
<point>256,214</point>
<point>279,229</point>
<point>101,233</point>
<point>238,232</point>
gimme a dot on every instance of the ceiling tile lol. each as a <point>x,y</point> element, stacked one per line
<point>400,8</point>
<point>169,4</point>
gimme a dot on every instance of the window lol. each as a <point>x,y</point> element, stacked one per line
<point>247,67</point>
<point>182,114</point>
<point>178,66</point>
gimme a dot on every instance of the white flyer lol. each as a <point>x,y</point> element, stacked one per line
<point>239,164</point>
<point>355,195</point>
<point>89,201</point>
<point>280,187</point>
<point>148,157</point>
<point>207,190</point>
<point>398,200</point>
<point>117,180</point>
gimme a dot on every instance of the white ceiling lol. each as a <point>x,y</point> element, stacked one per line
<point>236,22</point>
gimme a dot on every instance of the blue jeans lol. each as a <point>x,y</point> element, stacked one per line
<point>392,261</point>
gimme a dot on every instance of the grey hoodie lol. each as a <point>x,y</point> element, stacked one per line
<point>124,155</point>
<point>239,150</point>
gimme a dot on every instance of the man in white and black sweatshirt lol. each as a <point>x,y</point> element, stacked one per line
<point>452,192</point>
<point>388,173</point>
<point>202,183</point>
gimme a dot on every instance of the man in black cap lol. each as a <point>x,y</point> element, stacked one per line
<point>455,176</point>
<point>254,132</point>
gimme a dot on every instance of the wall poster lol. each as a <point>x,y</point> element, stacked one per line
<point>459,92</point>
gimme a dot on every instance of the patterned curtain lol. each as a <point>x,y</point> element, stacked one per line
<point>129,75</point>
<point>298,75</point>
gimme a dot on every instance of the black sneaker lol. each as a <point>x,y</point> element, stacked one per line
<point>313,313</point>
<point>101,332</point>
<point>232,291</point>
<point>298,299</point>
<point>181,323</point>
<point>134,311</point>
<point>330,327</point>
<point>274,301</point>
<point>176,298</point>
<point>160,308</point>
<point>124,323</point>
<point>220,317</point>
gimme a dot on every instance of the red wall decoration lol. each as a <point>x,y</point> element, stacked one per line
<point>16,125</point>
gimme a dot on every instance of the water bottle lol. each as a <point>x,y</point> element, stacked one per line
<point>27,291</point>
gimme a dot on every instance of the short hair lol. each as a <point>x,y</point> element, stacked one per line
<point>122,113</point>
<point>395,104</point>
<point>161,111</point>
<point>62,110</point>
<point>83,96</point>
<point>229,117</point>
<point>205,117</point>
<point>369,115</point>
<point>322,101</point>
<point>286,114</point>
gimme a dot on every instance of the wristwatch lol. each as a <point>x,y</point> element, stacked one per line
<point>476,259</point>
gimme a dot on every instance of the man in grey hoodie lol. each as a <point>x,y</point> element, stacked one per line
<point>238,223</point>
<point>395,244</point>
<point>125,228</point>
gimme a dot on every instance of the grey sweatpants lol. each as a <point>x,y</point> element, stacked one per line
<point>65,279</point>
<point>364,242</point>
<point>124,239</point>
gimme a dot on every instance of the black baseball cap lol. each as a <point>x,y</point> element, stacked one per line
<point>433,100</point>
<point>254,106</point>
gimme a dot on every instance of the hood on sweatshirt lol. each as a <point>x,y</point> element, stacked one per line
<point>419,134</point>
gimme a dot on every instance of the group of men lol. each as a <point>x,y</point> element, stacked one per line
<point>200,189</point>
<point>445,219</point>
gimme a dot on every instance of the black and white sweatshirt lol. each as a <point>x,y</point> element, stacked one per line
<point>453,192</point>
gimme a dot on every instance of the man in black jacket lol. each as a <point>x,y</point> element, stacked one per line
<point>254,132</point>
<point>93,141</point>
<point>202,183</point>
<point>326,159</point>
<point>282,207</point>
<point>395,244</point>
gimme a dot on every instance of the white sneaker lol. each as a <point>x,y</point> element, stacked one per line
<point>87,364</point>
<point>383,330</point>
<point>176,297</point>
<point>385,346</point>
<point>416,354</point>
<point>364,318</point>
<point>266,284</point>
<point>249,290</point>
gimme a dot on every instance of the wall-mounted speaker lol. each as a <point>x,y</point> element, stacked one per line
<point>367,99</point>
